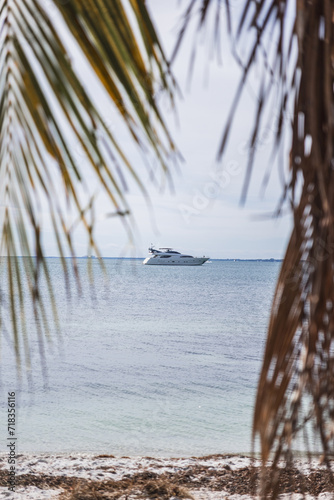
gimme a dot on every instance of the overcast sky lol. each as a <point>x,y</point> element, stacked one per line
<point>203,215</point>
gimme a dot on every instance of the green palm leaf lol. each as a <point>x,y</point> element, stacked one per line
<point>45,108</point>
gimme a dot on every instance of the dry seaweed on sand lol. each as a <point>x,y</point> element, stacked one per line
<point>202,479</point>
<point>164,489</point>
<point>153,489</point>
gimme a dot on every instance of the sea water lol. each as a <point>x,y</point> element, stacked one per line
<point>151,361</point>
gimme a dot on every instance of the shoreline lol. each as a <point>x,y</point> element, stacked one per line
<point>73,476</point>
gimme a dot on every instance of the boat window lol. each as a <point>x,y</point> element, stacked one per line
<point>187,256</point>
<point>168,250</point>
<point>165,257</point>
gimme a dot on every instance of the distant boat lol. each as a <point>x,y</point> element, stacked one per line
<point>169,257</point>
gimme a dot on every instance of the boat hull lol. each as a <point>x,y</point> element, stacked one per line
<point>196,261</point>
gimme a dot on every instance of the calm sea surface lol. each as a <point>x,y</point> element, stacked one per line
<point>163,361</point>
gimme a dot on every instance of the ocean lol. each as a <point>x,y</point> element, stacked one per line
<point>159,361</point>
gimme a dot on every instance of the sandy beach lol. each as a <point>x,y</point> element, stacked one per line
<point>215,477</point>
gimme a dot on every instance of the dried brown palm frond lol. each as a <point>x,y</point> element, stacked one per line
<point>294,41</point>
<point>298,367</point>
<point>265,31</point>
<point>46,109</point>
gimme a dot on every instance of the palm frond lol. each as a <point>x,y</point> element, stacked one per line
<point>45,109</point>
<point>266,30</point>
<point>298,362</point>
<point>294,42</point>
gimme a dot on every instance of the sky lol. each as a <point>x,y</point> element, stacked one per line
<point>201,214</point>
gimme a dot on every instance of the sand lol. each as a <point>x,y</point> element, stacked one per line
<point>89,476</point>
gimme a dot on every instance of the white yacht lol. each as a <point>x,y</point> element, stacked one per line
<point>169,257</point>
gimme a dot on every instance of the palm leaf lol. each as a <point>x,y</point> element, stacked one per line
<point>296,381</point>
<point>298,363</point>
<point>45,108</point>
